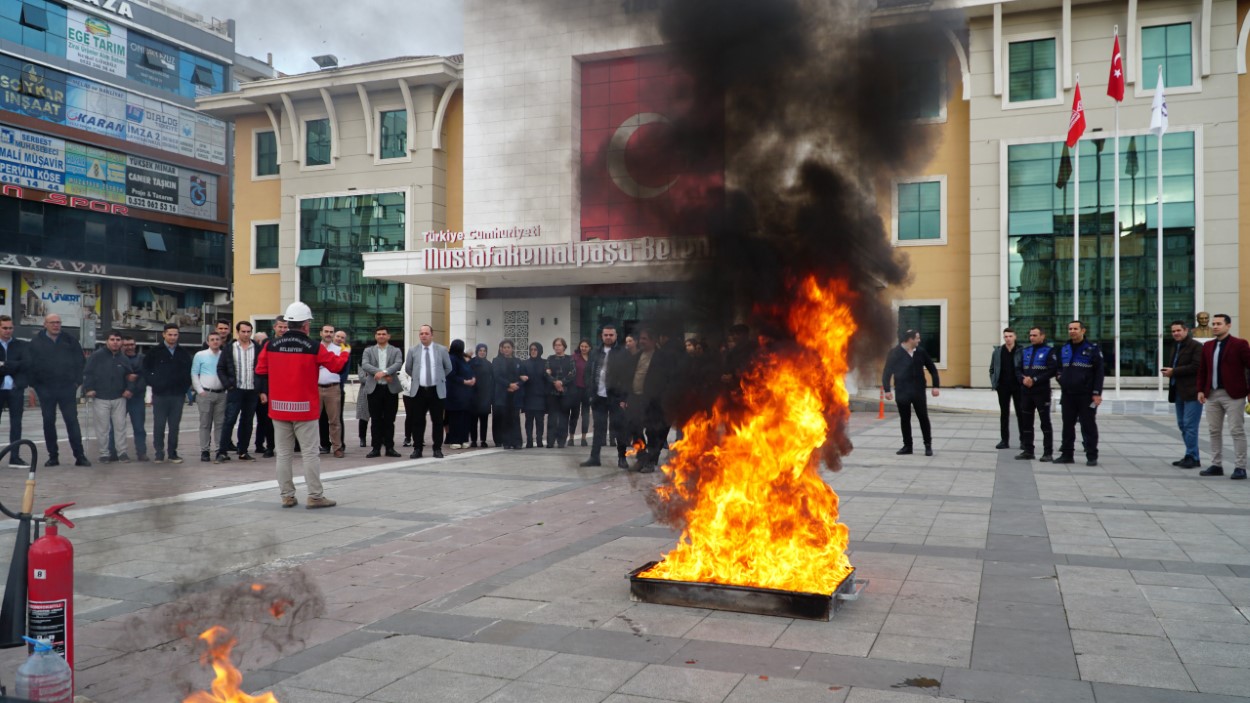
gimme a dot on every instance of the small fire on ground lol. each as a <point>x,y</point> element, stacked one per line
<point>225,686</point>
<point>744,481</point>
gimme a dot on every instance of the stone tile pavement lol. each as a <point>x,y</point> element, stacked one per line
<point>500,576</point>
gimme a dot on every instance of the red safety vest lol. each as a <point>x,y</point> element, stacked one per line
<point>287,373</point>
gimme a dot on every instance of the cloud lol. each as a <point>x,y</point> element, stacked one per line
<point>358,31</point>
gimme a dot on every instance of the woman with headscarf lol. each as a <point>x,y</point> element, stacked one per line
<point>508,397</point>
<point>560,373</point>
<point>483,392</point>
<point>535,370</point>
<point>460,384</point>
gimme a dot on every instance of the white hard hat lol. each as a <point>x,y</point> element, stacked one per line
<point>297,312</point>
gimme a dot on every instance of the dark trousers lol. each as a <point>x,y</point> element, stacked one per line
<point>166,414</point>
<point>608,415</point>
<point>535,422</point>
<point>458,422</point>
<point>364,431</point>
<point>582,408</point>
<point>557,420</point>
<point>264,428</point>
<point>13,401</point>
<point>64,398</point>
<point>138,415</point>
<point>1006,397</point>
<point>241,408</point>
<point>425,401</point>
<point>383,406</point>
<point>1038,403</point>
<point>477,427</point>
<point>907,402</point>
<point>507,426</point>
<point>1078,407</point>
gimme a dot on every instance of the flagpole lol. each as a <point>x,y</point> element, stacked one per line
<point>1115,236</point>
<point>1159,239</point>
<point>1076,224</point>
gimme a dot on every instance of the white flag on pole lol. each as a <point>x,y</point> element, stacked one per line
<point>1159,109</point>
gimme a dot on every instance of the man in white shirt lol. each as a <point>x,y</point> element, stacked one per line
<point>428,364</point>
<point>330,387</point>
<point>210,397</point>
<point>237,370</point>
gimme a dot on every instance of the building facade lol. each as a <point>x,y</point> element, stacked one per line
<point>115,208</point>
<point>331,165</point>
<point>987,224</point>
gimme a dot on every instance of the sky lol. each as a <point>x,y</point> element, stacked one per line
<point>353,30</point>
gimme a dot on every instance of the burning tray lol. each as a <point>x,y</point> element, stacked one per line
<point>743,599</point>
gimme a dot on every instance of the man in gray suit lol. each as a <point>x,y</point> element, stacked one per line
<point>380,366</point>
<point>428,365</point>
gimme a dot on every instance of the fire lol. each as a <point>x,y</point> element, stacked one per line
<point>638,446</point>
<point>745,477</point>
<point>225,688</point>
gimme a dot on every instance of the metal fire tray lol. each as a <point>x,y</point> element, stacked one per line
<point>743,599</point>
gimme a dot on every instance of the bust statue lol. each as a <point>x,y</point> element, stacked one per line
<point>1202,329</point>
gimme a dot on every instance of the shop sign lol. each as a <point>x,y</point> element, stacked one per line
<point>32,160</point>
<point>92,41</point>
<point>151,185</point>
<point>483,234</point>
<point>121,7</point>
<point>32,90</point>
<point>594,253</point>
<point>47,264</point>
<point>95,108</point>
<point>76,300</point>
<point>95,173</point>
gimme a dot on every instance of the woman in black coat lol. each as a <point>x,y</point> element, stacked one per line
<point>561,374</point>
<point>483,394</point>
<point>535,372</point>
<point>460,384</point>
<point>508,397</point>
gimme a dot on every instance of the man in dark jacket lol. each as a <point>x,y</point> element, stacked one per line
<point>13,380</point>
<point>906,364</point>
<point>104,384</point>
<point>56,364</point>
<point>237,370</point>
<point>1222,388</point>
<point>1080,380</point>
<point>606,397</point>
<point>648,377</point>
<point>168,371</point>
<point>136,406</point>
<point>1037,366</point>
<point>1182,377</point>
<point>1003,364</point>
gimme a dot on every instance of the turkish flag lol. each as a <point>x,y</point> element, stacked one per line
<point>652,156</point>
<point>1076,123</point>
<point>1115,81</point>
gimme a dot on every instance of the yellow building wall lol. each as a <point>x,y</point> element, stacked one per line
<point>1243,185</point>
<point>255,294</point>
<point>453,144</point>
<point>940,272</point>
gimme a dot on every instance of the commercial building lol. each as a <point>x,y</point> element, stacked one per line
<point>987,224</point>
<point>335,163</point>
<point>115,190</point>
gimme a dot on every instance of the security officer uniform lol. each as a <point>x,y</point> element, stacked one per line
<point>1037,361</point>
<point>1080,379</point>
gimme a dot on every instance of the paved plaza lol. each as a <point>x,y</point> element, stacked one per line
<point>500,576</point>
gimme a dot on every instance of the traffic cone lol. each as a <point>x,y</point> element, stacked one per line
<point>881,406</point>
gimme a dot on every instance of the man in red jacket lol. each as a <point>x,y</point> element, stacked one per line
<point>287,377</point>
<point>1222,389</point>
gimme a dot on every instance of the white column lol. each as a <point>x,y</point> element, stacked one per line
<point>462,309</point>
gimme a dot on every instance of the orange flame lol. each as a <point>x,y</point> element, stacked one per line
<point>225,687</point>
<point>638,446</point>
<point>746,477</point>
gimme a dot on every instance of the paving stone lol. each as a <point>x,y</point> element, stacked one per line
<point>761,689</point>
<point>528,692</point>
<point>293,694</point>
<point>925,650</point>
<point>995,687</point>
<point>428,624</point>
<point>1184,595</point>
<point>622,698</point>
<point>1220,679</point>
<point>1045,653</point>
<point>574,670</point>
<point>620,645</point>
<point>1199,653</point>
<point>1007,568</point>
<point>408,649</point>
<point>761,634</point>
<point>358,677</point>
<point>1020,589</point>
<point>438,685</point>
<point>1121,623</point>
<point>871,695</point>
<point>1134,671</point>
<point>873,673</point>
<point>1207,631</point>
<point>1121,645</point>
<point>1022,616</point>
<point>1118,693</point>
<point>678,683</point>
<point>1195,611</point>
<point>829,638</point>
<point>740,658</point>
<point>928,626</point>
<point>493,660</point>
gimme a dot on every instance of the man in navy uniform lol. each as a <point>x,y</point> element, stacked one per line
<point>1080,382</point>
<point>1037,366</point>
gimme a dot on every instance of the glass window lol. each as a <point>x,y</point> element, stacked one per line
<point>155,241</point>
<point>34,17</point>
<point>36,24</point>
<point>394,135</point>
<point>1040,194</point>
<point>920,90</point>
<point>266,154</point>
<point>927,320</point>
<point>343,227</point>
<point>1170,46</point>
<point>317,142</point>
<point>152,62</point>
<point>199,76</point>
<point>919,211</point>
<point>310,257</point>
<point>265,241</point>
<point>1031,70</point>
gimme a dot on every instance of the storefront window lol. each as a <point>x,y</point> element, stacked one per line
<point>1040,194</point>
<point>343,228</point>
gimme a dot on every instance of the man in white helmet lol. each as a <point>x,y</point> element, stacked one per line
<point>287,376</point>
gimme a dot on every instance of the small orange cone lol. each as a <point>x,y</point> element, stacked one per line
<point>881,406</point>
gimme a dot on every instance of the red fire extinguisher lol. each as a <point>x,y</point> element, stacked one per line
<point>50,575</point>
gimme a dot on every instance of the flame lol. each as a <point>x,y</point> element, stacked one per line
<point>638,446</point>
<point>745,477</point>
<point>225,687</point>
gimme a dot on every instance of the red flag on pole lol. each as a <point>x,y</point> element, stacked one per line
<point>1115,82</point>
<point>1076,124</point>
